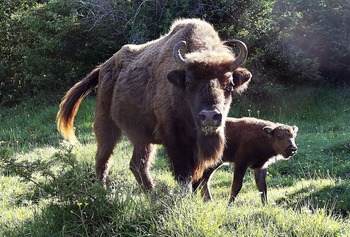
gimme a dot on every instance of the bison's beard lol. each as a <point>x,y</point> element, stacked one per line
<point>210,149</point>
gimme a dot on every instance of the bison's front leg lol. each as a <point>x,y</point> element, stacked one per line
<point>181,160</point>
<point>260,180</point>
<point>140,163</point>
<point>183,172</point>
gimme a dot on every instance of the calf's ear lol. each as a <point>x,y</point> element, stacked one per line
<point>295,129</point>
<point>177,78</point>
<point>241,78</point>
<point>268,130</point>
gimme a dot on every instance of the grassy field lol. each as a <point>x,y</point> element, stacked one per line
<point>47,187</point>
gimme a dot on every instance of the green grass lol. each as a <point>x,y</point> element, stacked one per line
<point>47,187</point>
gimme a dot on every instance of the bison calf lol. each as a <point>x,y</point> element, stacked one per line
<point>252,143</point>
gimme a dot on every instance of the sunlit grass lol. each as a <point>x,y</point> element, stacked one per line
<point>307,195</point>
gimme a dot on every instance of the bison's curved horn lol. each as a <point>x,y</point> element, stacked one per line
<point>243,51</point>
<point>177,54</point>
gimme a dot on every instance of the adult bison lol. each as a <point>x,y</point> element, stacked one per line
<point>253,143</point>
<point>155,94</point>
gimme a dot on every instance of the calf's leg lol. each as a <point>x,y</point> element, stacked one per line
<point>260,180</point>
<point>239,172</point>
<point>140,163</point>
<point>204,183</point>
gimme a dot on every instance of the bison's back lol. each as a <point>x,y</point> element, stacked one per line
<point>138,93</point>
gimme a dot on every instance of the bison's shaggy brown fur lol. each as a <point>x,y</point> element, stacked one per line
<point>152,98</point>
<point>253,143</point>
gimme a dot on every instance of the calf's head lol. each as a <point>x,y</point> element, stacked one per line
<point>206,82</point>
<point>283,139</point>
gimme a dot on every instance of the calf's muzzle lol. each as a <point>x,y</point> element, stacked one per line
<point>292,150</point>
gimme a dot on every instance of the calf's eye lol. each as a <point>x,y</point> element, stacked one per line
<point>229,87</point>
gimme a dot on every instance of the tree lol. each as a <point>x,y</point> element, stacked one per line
<point>47,45</point>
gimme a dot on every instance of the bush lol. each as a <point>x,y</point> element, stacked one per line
<point>49,45</point>
<point>313,40</point>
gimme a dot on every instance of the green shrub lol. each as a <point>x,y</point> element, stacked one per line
<point>48,45</point>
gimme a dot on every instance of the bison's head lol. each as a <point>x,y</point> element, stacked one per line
<point>208,79</point>
<point>283,139</point>
<point>206,82</point>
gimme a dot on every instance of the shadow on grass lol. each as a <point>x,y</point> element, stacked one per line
<point>334,197</point>
<point>68,201</point>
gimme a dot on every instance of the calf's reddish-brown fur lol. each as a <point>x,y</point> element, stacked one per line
<point>156,94</point>
<point>252,143</point>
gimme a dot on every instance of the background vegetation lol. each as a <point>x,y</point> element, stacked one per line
<point>47,45</point>
<point>299,56</point>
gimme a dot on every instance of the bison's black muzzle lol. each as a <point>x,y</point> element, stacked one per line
<point>210,121</point>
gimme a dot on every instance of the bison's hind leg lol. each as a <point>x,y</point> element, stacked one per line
<point>107,133</point>
<point>140,163</point>
<point>260,180</point>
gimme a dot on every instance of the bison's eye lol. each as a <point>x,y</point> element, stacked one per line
<point>280,136</point>
<point>188,86</point>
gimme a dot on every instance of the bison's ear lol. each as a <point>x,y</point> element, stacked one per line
<point>295,129</point>
<point>177,78</point>
<point>241,78</point>
<point>268,130</point>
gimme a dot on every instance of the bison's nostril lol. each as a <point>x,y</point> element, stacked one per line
<point>202,117</point>
<point>217,118</point>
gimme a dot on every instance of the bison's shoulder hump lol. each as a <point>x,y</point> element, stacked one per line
<point>190,22</point>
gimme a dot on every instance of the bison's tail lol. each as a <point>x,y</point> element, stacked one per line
<point>70,105</point>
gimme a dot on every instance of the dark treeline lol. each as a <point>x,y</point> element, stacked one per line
<point>48,45</point>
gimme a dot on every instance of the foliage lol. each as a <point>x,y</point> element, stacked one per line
<point>320,32</point>
<point>48,45</point>
<point>297,42</point>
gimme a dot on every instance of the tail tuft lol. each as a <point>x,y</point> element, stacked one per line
<point>70,105</point>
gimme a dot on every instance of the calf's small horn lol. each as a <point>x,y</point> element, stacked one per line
<point>177,53</point>
<point>243,51</point>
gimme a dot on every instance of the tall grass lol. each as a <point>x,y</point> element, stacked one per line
<point>47,188</point>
